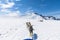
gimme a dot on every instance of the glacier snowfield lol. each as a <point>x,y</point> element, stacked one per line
<point>12,28</point>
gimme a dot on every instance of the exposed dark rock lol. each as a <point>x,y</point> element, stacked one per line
<point>47,17</point>
<point>41,20</point>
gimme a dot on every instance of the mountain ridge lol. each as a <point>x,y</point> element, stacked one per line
<point>48,17</point>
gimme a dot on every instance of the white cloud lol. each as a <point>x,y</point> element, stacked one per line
<point>17,13</point>
<point>5,11</point>
<point>5,8</point>
<point>12,14</point>
<point>9,5</point>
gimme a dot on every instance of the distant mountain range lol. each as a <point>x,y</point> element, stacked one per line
<point>48,17</point>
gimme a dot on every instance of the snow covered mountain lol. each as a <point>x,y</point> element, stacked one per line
<point>13,24</point>
<point>14,28</point>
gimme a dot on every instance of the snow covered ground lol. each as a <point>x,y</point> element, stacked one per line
<point>14,28</point>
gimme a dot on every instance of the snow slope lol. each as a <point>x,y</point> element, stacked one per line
<point>14,28</point>
<point>13,25</point>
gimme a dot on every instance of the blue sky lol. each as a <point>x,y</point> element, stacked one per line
<point>44,7</point>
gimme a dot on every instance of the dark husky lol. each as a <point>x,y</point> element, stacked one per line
<point>30,28</point>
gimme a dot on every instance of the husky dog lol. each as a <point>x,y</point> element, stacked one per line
<point>30,28</point>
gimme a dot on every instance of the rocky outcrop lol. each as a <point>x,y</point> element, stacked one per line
<point>47,17</point>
